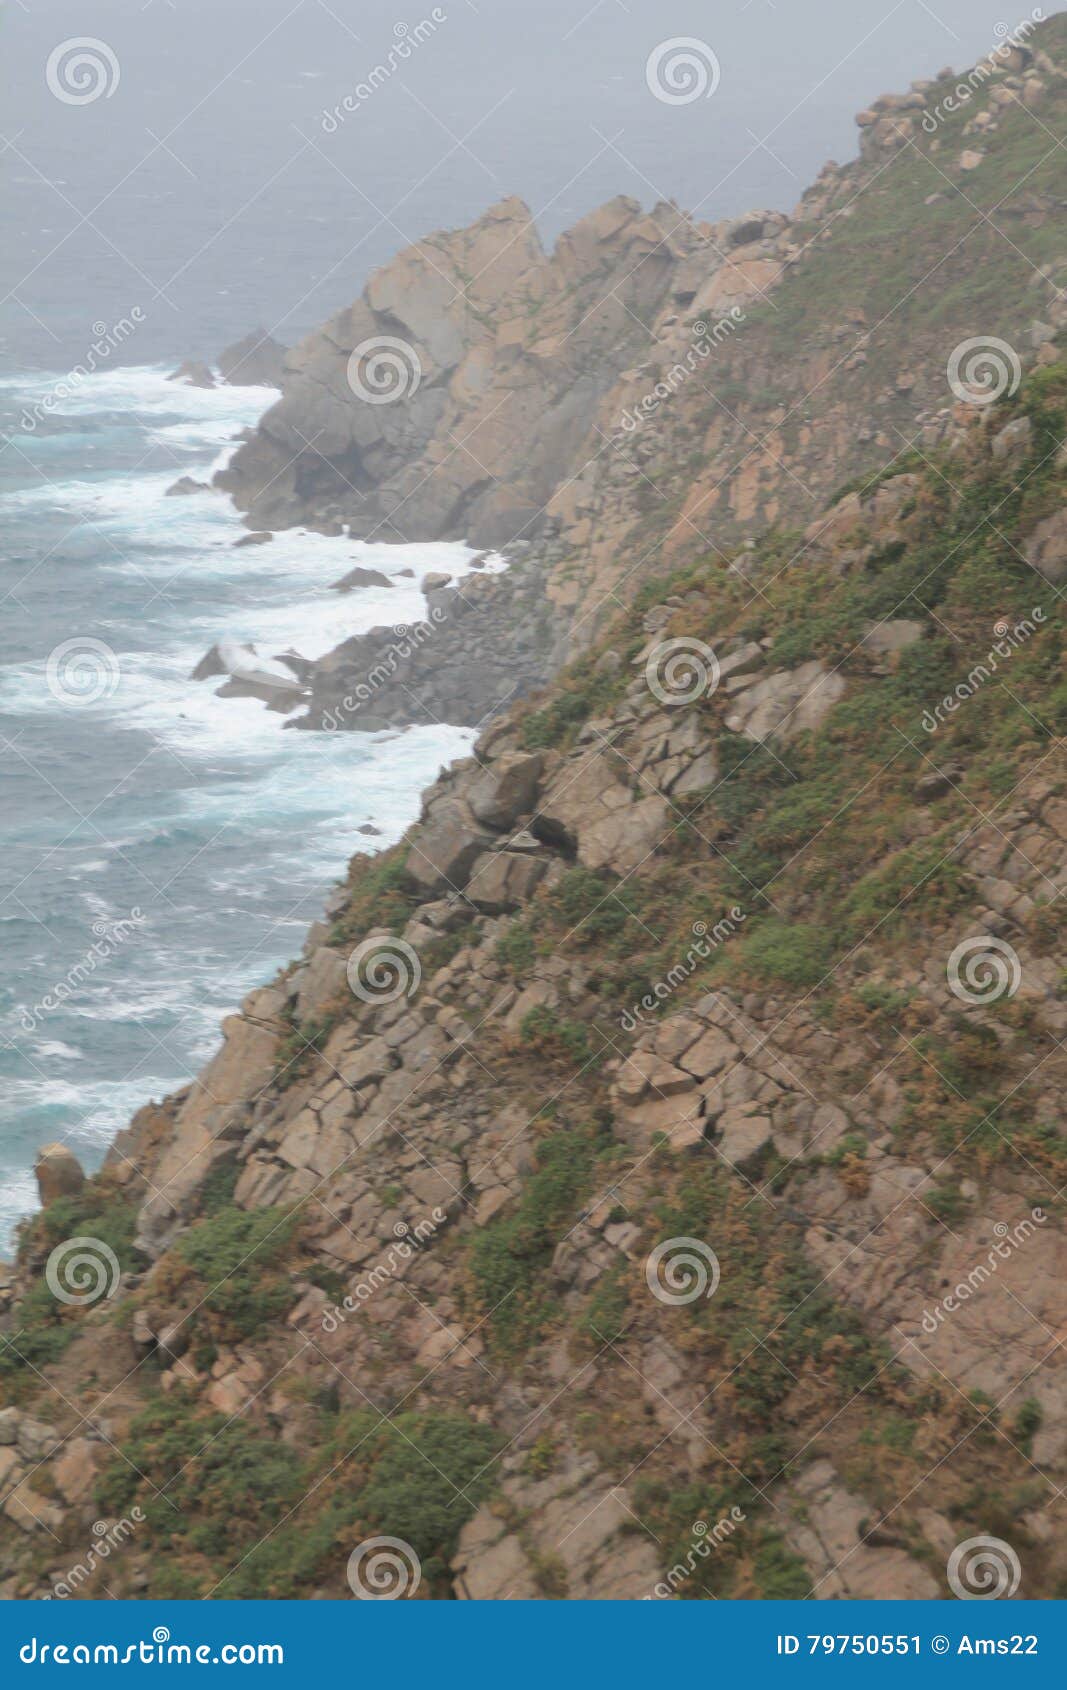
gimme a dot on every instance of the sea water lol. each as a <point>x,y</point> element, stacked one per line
<point>162,850</point>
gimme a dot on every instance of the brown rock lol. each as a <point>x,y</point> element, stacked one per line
<point>58,1173</point>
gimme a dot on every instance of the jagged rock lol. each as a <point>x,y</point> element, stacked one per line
<point>509,301</point>
<point>58,1173</point>
<point>257,360</point>
<point>259,537</point>
<point>578,1524</point>
<point>445,847</point>
<point>825,1524</point>
<point>213,1105</point>
<point>323,980</point>
<point>507,789</point>
<point>743,1135</point>
<point>75,1469</point>
<point>186,485</point>
<point>623,841</point>
<point>36,1441</point>
<point>502,880</point>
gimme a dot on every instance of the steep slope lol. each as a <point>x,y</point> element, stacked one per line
<point>649,1181</point>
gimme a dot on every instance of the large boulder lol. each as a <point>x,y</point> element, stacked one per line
<point>786,703</point>
<point>444,848</point>
<point>507,789</point>
<point>58,1172</point>
<point>502,880</point>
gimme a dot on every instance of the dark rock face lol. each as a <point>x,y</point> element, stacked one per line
<point>256,361</point>
<point>484,644</point>
<point>185,485</point>
<point>361,577</point>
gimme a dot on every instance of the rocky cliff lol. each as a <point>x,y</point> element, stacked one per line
<point>648,1181</point>
<point>660,387</point>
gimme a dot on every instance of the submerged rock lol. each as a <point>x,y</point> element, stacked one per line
<point>193,373</point>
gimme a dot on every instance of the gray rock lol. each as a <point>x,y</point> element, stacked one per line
<point>258,360</point>
<point>360,577</point>
<point>193,373</point>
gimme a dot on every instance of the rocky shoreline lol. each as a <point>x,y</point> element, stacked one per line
<point>672,959</point>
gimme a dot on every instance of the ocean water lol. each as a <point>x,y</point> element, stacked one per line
<point>161,850</point>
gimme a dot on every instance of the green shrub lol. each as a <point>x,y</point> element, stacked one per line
<point>796,952</point>
<point>234,1254</point>
<point>509,1256</point>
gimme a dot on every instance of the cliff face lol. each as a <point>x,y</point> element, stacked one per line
<point>483,363</point>
<point>649,1179</point>
<point>660,389</point>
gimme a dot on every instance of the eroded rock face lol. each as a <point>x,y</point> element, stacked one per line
<point>489,337</point>
<point>828,1526</point>
<point>58,1173</point>
<point>787,703</point>
<point>581,1544</point>
<point>215,1110</point>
